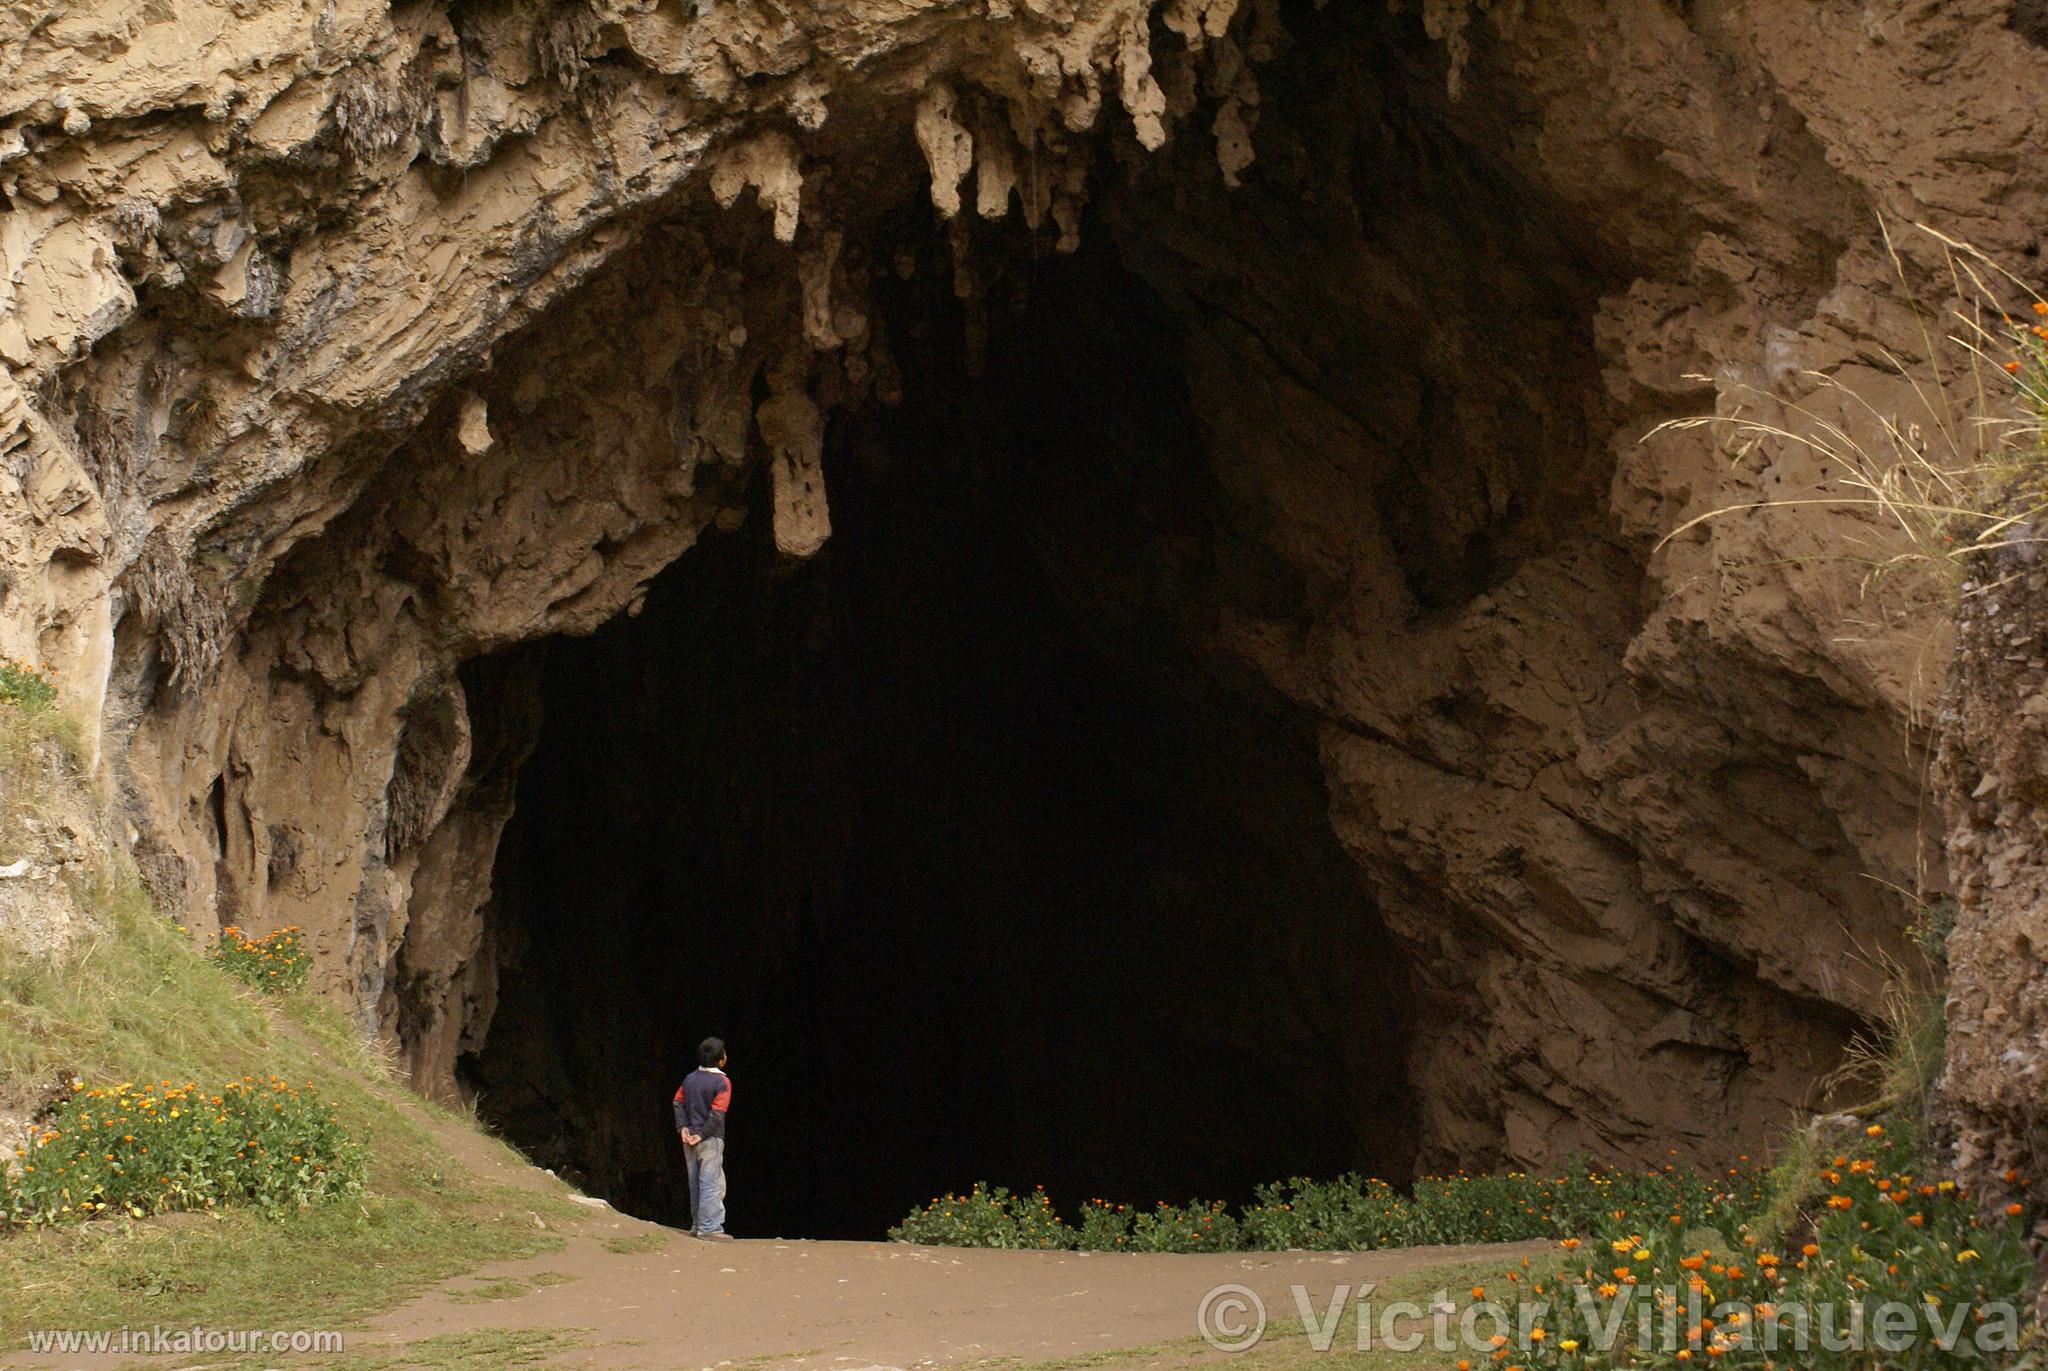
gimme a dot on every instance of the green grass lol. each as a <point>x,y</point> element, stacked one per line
<point>1888,1072</point>
<point>39,748</point>
<point>507,1287</point>
<point>134,1000</point>
<point>421,1220</point>
<point>643,1242</point>
<point>1791,1189</point>
<point>484,1350</point>
<point>1287,1344</point>
<point>330,1266</point>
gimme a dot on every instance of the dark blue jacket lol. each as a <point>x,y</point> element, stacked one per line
<point>702,1100</point>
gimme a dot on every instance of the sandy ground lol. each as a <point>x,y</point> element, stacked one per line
<point>627,1294</point>
<point>848,1306</point>
<point>867,1305</point>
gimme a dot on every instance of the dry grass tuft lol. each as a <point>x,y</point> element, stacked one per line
<point>1964,476</point>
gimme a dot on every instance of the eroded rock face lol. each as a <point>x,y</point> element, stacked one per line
<point>1994,765</point>
<point>347,346</point>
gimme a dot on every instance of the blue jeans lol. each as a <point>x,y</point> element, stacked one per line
<point>707,1185</point>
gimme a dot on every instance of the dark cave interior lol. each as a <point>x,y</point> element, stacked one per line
<point>976,883</point>
<point>982,857</point>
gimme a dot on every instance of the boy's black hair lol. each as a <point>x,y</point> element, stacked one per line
<point>710,1051</point>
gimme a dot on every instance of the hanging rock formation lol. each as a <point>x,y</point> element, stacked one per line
<point>347,343</point>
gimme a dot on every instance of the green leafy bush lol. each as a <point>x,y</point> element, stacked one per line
<point>1514,1206</point>
<point>1345,1215</point>
<point>986,1217</point>
<point>276,962</point>
<point>1354,1214</point>
<point>1199,1226</point>
<point>26,687</point>
<point>1104,1227</point>
<point>123,1150</point>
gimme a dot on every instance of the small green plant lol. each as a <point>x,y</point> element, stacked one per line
<point>1104,1227</point>
<point>1198,1226</point>
<point>986,1217</point>
<point>29,688</point>
<point>174,1146</point>
<point>278,961</point>
<point>1929,932</point>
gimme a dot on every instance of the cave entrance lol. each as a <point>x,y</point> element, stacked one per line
<point>982,863</point>
<point>994,837</point>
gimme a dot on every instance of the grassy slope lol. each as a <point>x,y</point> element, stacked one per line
<point>134,1001</point>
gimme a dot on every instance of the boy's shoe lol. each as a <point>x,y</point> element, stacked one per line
<point>713,1237</point>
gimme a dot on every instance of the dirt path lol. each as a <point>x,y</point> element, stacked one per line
<point>687,1304</point>
<point>647,1296</point>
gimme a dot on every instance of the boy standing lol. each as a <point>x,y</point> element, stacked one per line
<point>701,1102</point>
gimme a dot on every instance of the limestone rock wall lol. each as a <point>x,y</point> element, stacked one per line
<point>344,343</point>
